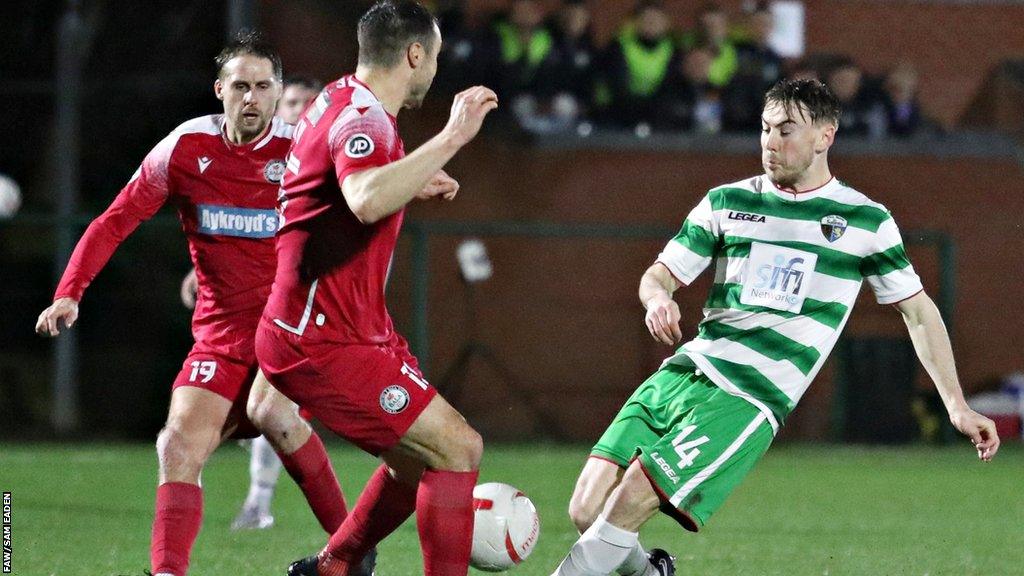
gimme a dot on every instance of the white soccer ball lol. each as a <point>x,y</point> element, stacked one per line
<point>10,196</point>
<point>505,527</point>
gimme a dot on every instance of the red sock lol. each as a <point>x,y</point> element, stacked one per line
<point>311,469</point>
<point>444,516</point>
<point>179,513</point>
<point>382,507</point>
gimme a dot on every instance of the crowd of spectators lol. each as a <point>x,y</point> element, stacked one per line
<point>552,76</point>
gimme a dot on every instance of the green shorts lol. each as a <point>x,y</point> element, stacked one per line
<point>694,441</point>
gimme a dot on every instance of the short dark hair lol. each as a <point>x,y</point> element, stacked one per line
<point>249,42</point>
<point>389,26</point>
<point>820,102</point>
<point>303,82</point>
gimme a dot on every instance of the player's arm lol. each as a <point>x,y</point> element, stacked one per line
<point>378,192</point>
<point>656,288</point>
<point>683,259</point>
<point>931,342</point>
<point>138,201</point>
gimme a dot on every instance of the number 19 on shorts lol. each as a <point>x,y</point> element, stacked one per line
<point>205,369</point>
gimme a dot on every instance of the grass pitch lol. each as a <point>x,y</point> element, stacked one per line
<point>815,510</point>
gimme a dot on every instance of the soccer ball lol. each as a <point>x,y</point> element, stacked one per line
<point>10,197</point>
<point>505,527</point>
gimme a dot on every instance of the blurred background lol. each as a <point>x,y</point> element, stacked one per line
<point>520,297</point>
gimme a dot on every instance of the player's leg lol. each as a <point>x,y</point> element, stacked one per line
<point>300,450</point>
<point>264,470</point>
<point>711,445</point>
<point>432,471</point>
<point>596,482</point>
<point>192,432</point>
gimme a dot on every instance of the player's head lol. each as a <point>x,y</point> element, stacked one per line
<point>798,125</point>
<point>248,82</point>
<point>298,92</point>
<point>403,37</point>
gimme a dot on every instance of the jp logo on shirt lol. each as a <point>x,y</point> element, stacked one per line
<point>358,146</point>
<point>833,227</point>
<point>394,399</point>
<point>274,171</point>
<point>777,277</point>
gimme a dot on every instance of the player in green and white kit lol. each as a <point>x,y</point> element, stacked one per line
<point>791,248</point>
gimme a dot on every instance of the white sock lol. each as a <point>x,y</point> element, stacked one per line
<point>637,564</point>
<point>599,550</point>
<point>264,470</point>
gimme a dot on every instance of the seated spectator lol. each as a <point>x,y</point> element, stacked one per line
<point>688,100</point>
<point>456,70</point>
<point>863,113</point>
<point>903,112</point>
<point>576,52</point>
<point>713,32</point>
<point>638,63</point>
<point>756,58</point>
<point>758,69</point>
<point>519,52</point>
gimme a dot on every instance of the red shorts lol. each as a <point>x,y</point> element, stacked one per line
<point>368,394</point>
<point>225,375</point>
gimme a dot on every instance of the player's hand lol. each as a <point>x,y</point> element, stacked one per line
<point>468,111</point>
<point>981,431</point>
<point>440,186</point>
<point>663,320</point>
<point>189,289</point>
<point>62,310</point>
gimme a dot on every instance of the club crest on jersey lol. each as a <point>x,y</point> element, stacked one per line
<point>833,227</point>
<point>394,399</point>
<point>274,171</point>
<point>358,146</point>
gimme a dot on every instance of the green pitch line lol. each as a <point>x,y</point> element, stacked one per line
<point>87,509</point>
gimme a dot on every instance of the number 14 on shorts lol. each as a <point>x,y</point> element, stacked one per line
<point>688,450</point>
<point>204,368</point>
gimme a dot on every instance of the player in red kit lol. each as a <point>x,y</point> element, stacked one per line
<point>223,173</point>
<point>326,339</point>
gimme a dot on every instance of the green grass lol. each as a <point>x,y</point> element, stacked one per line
<point>816,510</point>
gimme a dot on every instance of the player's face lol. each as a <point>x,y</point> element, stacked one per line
<point>790,142</point>
<point>423,75</point>
<point>250,91</point>
<point>293,102</point>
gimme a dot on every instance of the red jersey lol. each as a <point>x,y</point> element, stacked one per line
<point>226,197</point>
<point>331,268</point>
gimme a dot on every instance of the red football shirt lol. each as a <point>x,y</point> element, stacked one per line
<point>226,196</point>
<point>331,268</point>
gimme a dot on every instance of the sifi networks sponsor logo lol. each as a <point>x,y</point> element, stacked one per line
<point>234,221</point>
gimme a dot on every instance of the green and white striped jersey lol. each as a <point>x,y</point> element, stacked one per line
<point>788,268</point>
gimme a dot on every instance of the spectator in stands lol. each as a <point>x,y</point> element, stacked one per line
<point>456,69</point>
<point>713,32</point>
<point>863,113</point>
<point>903,112</point>
<point>759,68</point>
<point>756,58</point>
<point>577,55</point>
<point>519,52</point>
<point>638,63</point>
<point>688,100</point>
